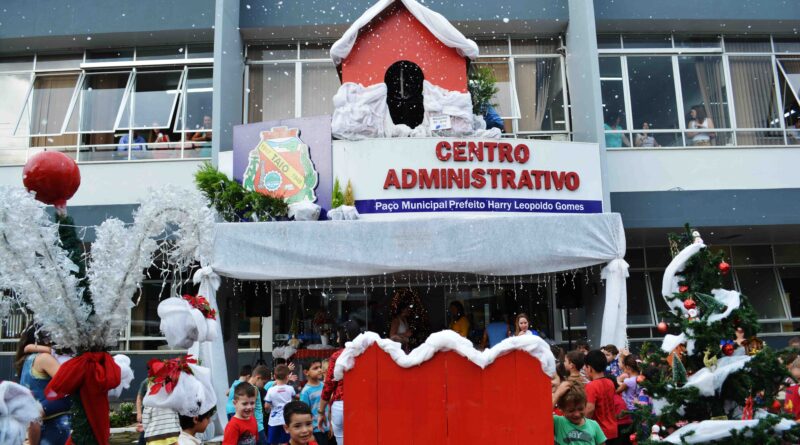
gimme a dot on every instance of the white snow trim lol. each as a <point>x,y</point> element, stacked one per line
<point>709,430</point>
<point>360,112</point>
<point>439,26</point>
<point>669,285</point>
<point>183,325</point>
<point>193,394</point>
<point>730,298</point>
<point>710,382</point>
<point>445,341</point>
<point>126,375</point>
<point>18,409</point>
<point>672,341</point>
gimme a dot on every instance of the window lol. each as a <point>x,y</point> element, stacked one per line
<point>14,88</point>
<point>613,91</point>
<point>789,87</point>
<point>703,87</point>
<point>761,287</point>
<point>271,94</point>
<point>639,312</point>
<point>653,106</point>
<point>96,103</point>
<point>151,102</point>
<point>541,96</point>
<point>754,100</point>
<point>319,79</point>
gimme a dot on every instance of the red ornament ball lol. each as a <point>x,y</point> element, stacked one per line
<point>728,350</point>
<point>689,304</point>
<point>724,268</point>
<point>662,328</point>
<point>683,288</point>
<point>53,176</point>
<point>776,405</point>
<point>632,439</point>
<point>640,378</point>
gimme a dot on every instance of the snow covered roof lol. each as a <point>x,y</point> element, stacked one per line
<point>439,26</point>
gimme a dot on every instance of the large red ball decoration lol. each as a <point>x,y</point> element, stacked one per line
<point>727,349</point>
<point>689,304</point>
<point>53,176</point>
<point>662,328</point>
<point>724,268</point>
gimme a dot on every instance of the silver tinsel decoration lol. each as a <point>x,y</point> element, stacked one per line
<point>37,269</point>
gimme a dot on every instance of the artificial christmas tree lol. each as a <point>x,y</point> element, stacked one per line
<point>715,392</point>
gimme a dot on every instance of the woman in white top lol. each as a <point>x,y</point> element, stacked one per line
<point>399,330</point>
<point>645,139</point>
<point>701,122</point>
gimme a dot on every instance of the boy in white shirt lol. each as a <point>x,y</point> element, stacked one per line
<point>277,397</point>
<point>193,425</point>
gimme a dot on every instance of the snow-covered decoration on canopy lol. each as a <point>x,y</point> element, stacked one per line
<point>709,430</point>
<point>479,244</point>
<point>730,299</point>
<point>362,113</point>
<point>445,341</point>
<point>126,375</point>
<point>18,409</point>
<point>439,26</point>
<point>184,324</point>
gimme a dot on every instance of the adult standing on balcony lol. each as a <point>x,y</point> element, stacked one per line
<point>698,120</point>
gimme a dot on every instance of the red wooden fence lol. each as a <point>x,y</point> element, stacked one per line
<point>447,400</point>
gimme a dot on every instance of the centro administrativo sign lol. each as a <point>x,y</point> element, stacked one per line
<point>420,175</point>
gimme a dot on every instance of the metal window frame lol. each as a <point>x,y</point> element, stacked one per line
<point>130,93</point>
<point>77,96</point>
<point>29,97</point>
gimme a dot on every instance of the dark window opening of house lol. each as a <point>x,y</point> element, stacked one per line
<point>404,82</point>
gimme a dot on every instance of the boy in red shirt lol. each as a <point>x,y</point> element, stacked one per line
<point>298,423</point>
<point>242,428</point>
<point>600,394</point>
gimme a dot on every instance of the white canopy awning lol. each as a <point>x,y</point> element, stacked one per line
<point>484,244</point>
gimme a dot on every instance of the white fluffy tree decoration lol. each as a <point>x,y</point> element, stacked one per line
<point>18,409</point>
<point>38,270</point>
<point>183,324</point>
<point>126,375</point>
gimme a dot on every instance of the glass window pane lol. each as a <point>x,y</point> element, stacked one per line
<point>638,300</point>
<point>783,45</point>
<point>759,138</point>
<point>59,62</point>
<point>320,83</point>
<point>539,91</point>
<point>789,87</point>
<point>703,87</point>
<point>656,281</point>
<point>271,92</point>
<point>611,67</point>
<point>742,44</point>
<point>646,41</point>
<point>754,93</point>
<point>605,41</point>
<point>197,103</point>
<point>498,47</point>
<point>546,45</point>
<point>118,55</point>
<point>98,102</point>
<point>760,286</point>
<point>790,281</point>
<point>697,42</point>
<point>635,257</point>
<point>272,52</point>
<point>153,100</point>
<point>503,98</point>
<point>16,63</point>
<point>161,52</point>
<point>652,89</point>
<point>614,113</point>
<point>201,51</point>
<point>644,138</point>
<point>13,91</point>
<point>751,255</point>
<point>47,105</point>
<point>310,50</point>
<point>787,253</point>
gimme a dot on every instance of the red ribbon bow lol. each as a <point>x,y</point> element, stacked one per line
<point>92,375</point>
<point>166,373</point>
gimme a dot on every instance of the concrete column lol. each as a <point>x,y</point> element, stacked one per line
<point>228,76</point>
<point>586,100</point>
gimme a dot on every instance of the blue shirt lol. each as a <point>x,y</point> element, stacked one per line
<point>613,139</point>
<point>123,143</point>
<point>259,411</point>
<point>311,396</point>
<point>497,331</point>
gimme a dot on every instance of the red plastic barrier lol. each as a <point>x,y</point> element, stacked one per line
<point>447,400</point>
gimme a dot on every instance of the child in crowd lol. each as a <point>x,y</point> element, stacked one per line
<point>298,423</point>
<point>600,394</point>
<point>611,352</point>
<point>161,426</point>
<point>583,346</point>
<point>277,397</point>
<point>311,395</point>
<point>573,364</point>
<point>258,378</point>
<point>574,428</point>
<point>629,386</point>
<point>244,375</point>
<point>242,428</point>
<point>791,402</point>
<point>194,425</point>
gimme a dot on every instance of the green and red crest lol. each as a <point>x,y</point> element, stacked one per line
<point>280,165</point>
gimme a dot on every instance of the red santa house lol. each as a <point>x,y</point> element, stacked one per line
<point>404,73</point>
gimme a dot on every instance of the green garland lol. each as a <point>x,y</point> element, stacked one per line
<point>81,429</point>
<point>233,202</point>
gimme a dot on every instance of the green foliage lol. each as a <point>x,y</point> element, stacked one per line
<point>760,378</point>
<point>233,202</point>
<point>81,429</point>
<point>123,416</point>
<point>482,87</point>
<point>337,198</point>
<point>75,251</point>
